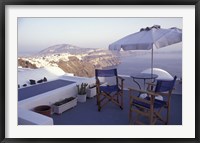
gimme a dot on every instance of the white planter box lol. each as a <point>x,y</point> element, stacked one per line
<point>91,92</point>
<point>60,109</point>
<point>82,98</point>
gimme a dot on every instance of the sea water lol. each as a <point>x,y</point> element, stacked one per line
<point>168,61</point>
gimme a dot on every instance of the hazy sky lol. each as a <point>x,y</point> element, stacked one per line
<point>36,34</point>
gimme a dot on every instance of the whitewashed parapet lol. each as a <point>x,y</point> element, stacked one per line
<point>28,117</point>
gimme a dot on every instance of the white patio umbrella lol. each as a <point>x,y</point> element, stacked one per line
<point>146,38</point>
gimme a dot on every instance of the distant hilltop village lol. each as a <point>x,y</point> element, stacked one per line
<point>71,59</point>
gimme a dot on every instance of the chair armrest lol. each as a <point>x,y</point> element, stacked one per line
<point>163,94</point>
<point>121,84</point>
<point>138,99</point>
<point>134,97</point>
<point>93,85</point>
<point>121,78</point>
<point>144,91</point>
<point>138,90</point>
<point>150,83</point>
<point>150,86</point>
<point>149,92</point>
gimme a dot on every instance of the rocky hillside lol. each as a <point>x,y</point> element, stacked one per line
<point>26,64</point>
<point>81,64</point>
<point>64,48</point>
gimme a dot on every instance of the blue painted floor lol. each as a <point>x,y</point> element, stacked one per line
<point>87,113</point>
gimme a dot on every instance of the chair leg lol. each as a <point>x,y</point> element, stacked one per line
<point>130,116</point>
<point>122,101</point>
<point>98,102</point>
<point>97,99</point>
<point>99,108</point>
<point>136,118</point>
<point>151,116</point>
<point>118,98</point>
<point>168,110</point>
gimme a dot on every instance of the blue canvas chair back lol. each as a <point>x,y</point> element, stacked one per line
<point>165,85</point>
<point>105,73</point>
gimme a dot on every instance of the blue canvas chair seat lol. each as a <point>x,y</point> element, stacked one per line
<point>149,106</point>
<point>109,88</point>
<point>157,103</point>
<point>109,93</point>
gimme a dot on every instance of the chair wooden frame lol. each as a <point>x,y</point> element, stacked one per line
<point>116,98</point>
<point>151,113</point>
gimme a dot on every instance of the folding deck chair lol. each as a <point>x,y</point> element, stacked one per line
<point>106,92</point>
<point>149,106</point>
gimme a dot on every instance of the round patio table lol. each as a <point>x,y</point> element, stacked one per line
<point>143,76</point>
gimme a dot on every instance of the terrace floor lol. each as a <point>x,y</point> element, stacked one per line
<point>87,113</point>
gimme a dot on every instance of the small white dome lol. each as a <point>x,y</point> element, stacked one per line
<point>162,74</point>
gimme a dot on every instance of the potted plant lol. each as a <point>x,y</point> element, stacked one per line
<point>82,92</point>
<point>43,109</point>
<point>64,105</point>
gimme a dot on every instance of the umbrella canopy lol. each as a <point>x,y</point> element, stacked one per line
<point>147,37</point>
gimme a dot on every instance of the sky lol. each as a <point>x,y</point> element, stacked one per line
<point>36,34</point>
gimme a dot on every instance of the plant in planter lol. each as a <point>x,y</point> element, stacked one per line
<point>64,105</point>
<point>82,92</point>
